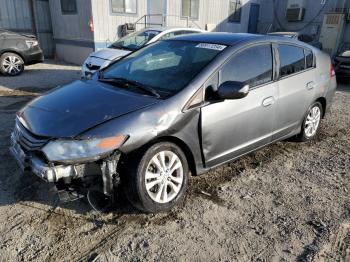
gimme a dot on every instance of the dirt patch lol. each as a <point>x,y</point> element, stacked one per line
<point>288,201</point>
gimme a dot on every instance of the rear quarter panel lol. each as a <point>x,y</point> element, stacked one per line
<point>326,85</point>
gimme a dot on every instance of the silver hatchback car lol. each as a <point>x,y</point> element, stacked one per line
<point>178,106</point>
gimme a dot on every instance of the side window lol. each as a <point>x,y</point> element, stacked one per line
<point>309,58</point>
<point>69,7</point>
<point>252,66</point>
<point>292,59</point>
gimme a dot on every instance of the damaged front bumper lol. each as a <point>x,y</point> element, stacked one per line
<point>107,168</point>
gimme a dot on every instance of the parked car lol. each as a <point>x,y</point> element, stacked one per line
<point>342,63</point>
<point>16,51</point>
<point>301,37</point>
<point>132,42</point>
<point>186,104</point>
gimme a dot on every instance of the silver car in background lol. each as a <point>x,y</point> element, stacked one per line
<point>129,43</point>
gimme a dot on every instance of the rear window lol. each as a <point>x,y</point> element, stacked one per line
<point>292,59</point>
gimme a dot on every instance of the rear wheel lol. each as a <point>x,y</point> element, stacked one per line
<point>11,64</point>
<point>157,179</point>
<point>311,122</point>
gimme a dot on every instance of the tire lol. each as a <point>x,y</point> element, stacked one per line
<point>11,64</point>
<point>148,194</point>
<point>311,123</point>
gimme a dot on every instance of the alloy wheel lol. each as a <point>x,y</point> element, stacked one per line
<point>312,121</point>
<point>12,65</point>
<point>164,177</point>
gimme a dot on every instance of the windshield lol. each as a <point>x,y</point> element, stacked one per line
<point>135,40</point>
<point>167,66</point>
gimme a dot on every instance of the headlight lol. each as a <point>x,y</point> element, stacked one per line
<point>73,150</point>
<point>31,43</point>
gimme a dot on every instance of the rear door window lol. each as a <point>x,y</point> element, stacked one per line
<point>292,59</point>
<point>252,66</point>
<point>309,58</point>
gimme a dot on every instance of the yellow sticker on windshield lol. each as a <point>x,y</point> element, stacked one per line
<point>211,46</point>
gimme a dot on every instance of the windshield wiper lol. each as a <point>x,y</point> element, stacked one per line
<point>127,82</point>
<point>123,47</point>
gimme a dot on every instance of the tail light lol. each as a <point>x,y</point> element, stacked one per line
<point>332,72</point>
<point>31,43</point>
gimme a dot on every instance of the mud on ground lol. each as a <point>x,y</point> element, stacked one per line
<point>288,201</point>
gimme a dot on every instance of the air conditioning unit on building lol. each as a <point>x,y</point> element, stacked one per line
<point>332,32</point>
<point>295,10</point>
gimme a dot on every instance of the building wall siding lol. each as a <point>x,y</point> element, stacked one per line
<point>213,12</point>
<point>15,15</point>
<point>72,27</point>
<point>74,40</point>
<point>313,18</point>
<point>107,25</point>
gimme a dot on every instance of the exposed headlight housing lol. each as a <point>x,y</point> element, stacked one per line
<point>31,43</point>
<point>81,150</point>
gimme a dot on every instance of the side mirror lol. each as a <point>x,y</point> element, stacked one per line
<point>233,90</point>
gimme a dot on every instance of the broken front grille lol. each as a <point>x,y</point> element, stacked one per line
<point>27,140</point>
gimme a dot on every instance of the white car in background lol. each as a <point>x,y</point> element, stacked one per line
<point>131,43</point>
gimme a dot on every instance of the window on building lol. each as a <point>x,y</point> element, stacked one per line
<point>252,66</point>
<point>292,59</point>
<point>124,6</point>
<point>190,8</point>
<point>235,8</point>
<point>69,7</point>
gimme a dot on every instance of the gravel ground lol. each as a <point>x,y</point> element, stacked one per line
<point>40,77</point>
<point>288,201</point>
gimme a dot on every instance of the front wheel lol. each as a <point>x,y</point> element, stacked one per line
<point>157,179</point>
<point>311,122</point>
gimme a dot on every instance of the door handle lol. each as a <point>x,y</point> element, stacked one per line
<point>268,101</point>
<point>311,85</point>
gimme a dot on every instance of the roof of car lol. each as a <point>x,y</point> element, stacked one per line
<point>283,33</point>
<point>165,28</point>
<point>220,38</point>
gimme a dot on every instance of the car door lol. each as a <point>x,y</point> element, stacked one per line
<point>231,128</point>
<point>296,88</point>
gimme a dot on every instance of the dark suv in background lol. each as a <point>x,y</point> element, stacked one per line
<point>16,51</point>
<point>341,63</point>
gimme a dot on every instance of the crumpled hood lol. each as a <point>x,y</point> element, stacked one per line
<point>109,53</point>
<point>72,109</point>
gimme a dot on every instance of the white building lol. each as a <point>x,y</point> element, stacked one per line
<point>72,20</point>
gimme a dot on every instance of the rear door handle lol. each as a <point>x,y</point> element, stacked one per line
<point>310,85</point>
<point>268,101</point>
